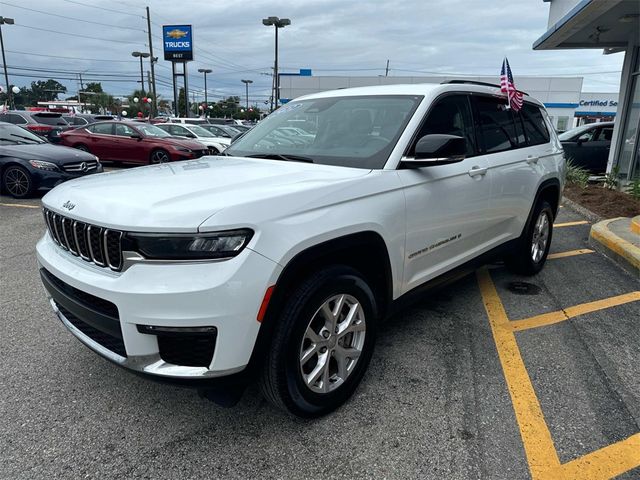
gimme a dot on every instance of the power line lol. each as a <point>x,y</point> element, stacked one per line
<point>73,18</point>
<point>72,58</point>
<point>76,35</point>
<point>102,8</point>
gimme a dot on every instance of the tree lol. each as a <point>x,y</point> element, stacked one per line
<point>47,90</point>
<point>139,106</point>
<point>94,87</point>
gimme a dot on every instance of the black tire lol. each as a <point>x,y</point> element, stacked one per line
<point>282,381</point>
<point>159,156</point>
<point>17,182</point>
<point>522,260</point>
<point>82,147</point>
<point>213,151</point>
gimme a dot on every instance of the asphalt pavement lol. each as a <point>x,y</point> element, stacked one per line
<point>494,377</point>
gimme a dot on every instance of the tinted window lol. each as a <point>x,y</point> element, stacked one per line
<point>450,116</point>
<point>103,128</point>
<point>534,125</point>
<point>13,118</point>
<point>605,134</point>
<point>496,125</point>
<point>49,119</point>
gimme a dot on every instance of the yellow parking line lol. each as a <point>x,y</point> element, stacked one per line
<point>542,457</point>
<point>18,205</point>
<point>538,445</point>
<point>570,224</point>
<point>571,253</point>
<point>608,462</point>
<point>567,313</point>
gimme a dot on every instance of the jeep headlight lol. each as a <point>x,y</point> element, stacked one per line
<point>201,246</point>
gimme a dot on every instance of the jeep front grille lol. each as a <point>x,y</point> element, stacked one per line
<point>98,245</point>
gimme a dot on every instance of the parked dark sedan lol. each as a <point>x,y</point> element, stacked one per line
<point>46,124</point>
<point>588,146</point>
<point>132,142</point>
<point>29,163</point>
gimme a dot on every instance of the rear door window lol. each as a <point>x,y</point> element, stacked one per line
<point>101,128</point>
<point>497,127</point>
<point>534,125</point>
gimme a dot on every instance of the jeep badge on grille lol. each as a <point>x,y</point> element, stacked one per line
<point>68,205</point>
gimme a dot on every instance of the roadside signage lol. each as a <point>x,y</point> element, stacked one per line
<point>177,41</point>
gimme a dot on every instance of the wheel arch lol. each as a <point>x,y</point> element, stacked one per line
<point>364,251</point>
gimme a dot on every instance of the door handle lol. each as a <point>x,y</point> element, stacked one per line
<point>475,171</point>
<point>531,160</point>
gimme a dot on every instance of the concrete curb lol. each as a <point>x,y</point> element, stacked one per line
<point>623,252</point>
<point>588,214</point>
<point>635,224</point>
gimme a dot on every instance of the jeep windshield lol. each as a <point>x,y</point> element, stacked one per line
<point>354,131</point>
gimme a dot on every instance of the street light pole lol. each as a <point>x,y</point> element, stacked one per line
<point>205,71</point>
<point>141,55</point>
<point>246,84</point>
<point>8,21</point>
<point>277,23</point>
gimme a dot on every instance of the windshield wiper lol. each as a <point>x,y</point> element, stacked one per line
<point>280,156</point>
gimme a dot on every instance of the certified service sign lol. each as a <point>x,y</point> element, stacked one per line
<point>177,42</point>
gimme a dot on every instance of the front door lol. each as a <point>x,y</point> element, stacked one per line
<point>127,148</point>
<point>446,204</point>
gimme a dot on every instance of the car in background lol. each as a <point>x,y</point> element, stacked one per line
<point>29,163</point>
<point>588,146</point>
<point>131,142</point>
<point>224,131</point>
<point>215,144</point>
<point>81,119</point>
<point>46,124</point>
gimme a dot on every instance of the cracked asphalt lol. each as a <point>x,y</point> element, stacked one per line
<point>434,404</point>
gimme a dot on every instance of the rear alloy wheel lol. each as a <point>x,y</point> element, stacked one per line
<point>533,246</point>
<point>17,182</point>
<point>322,343</point>
<point>160,156</point>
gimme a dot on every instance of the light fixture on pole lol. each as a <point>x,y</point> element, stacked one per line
<point>246,84</point>
<point>277,23</point>
<point>141,55</point>
<point>6,21</point>
<point>205,71</point>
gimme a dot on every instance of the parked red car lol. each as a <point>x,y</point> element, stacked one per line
<point>131,142</point>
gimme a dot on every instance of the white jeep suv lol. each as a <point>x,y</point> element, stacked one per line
<point>276,260</point>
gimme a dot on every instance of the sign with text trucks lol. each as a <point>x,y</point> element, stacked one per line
<point>177,41</point>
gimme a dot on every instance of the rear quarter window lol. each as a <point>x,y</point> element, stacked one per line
<point>534,125</point>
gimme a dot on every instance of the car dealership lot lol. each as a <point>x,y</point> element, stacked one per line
<point>471,383</point>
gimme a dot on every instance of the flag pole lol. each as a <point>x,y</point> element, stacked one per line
<point>505,64</point>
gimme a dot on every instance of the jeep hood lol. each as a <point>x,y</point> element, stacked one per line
<point>178,197</point>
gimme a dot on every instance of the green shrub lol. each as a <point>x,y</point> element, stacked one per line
<point>611,179</point>
<point>633,188</point>
<point>576,175</point>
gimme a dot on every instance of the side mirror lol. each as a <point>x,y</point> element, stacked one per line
<point>437,149</point>
<point>136,136</point>
<point>190,135</point>
<point>582,138</point>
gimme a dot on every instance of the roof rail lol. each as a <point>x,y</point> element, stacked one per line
<point>473,82</point>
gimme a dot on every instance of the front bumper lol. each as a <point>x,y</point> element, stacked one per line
<point>46,180</point>
<point>225,295</point>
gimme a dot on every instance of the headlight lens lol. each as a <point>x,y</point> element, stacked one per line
<point>188,247</point>
<point>182,149</point>
<point>52,167</point>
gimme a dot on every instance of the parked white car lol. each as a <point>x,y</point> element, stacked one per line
<point>277,261</point>
<point>215,144</point>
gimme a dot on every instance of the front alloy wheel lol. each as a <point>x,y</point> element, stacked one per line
<point>160,156</point>
<point>322,342</point>
<point>17,182</point>
<point>332,343</point>
<point>540,236</point>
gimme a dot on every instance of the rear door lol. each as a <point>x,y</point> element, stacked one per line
<point>515,145</point>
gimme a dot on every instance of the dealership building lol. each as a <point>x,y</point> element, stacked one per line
<point>567,105</point>
<point>612,26</point>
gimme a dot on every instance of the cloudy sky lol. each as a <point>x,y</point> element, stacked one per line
<point>61,38</point>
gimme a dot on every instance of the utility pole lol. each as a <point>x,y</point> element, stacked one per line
<point>154,107</point>
<point>8,21</point>
<point>149,82</point>
<point>386,70</point>
<point>246,84</point>
<point>81,89</point>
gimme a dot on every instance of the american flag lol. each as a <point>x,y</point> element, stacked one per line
<point>507,86</point>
